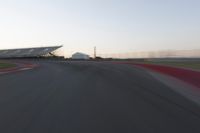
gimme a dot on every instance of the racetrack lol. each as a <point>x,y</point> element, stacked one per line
<point>92,97</point>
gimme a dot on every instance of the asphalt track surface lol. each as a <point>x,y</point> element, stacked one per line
<point>91,97</point>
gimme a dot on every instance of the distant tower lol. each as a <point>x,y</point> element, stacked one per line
<point>95,54</point>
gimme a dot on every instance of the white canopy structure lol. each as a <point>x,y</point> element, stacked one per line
<point>27,52</point>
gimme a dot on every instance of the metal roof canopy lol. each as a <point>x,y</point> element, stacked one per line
<point>27,52</point>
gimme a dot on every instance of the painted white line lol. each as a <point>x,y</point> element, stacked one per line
<point>23,69</point>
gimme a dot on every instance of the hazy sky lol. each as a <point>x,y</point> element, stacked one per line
<point>114,26</point>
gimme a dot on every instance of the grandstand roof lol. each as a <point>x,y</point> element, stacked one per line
<point>27,52</point>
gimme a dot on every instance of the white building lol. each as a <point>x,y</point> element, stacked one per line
<point>80,56</point>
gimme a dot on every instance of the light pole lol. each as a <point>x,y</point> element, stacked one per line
<point>95,54</point>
